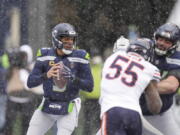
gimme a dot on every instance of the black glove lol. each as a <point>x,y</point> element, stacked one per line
<point>67,73</point>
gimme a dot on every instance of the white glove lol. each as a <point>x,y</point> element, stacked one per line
<point>121,43</point>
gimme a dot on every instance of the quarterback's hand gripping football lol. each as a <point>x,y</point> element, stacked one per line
<point>63,76</point>
<point>53,71</point>
<point>67,73</point>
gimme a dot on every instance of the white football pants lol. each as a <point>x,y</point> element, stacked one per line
<point>165,123</point>
<point>41,122</point>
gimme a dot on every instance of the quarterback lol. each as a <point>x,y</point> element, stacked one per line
<point>63,71</point>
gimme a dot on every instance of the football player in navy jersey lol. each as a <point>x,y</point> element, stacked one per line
<point>167,59</point>
<point>63,71</point>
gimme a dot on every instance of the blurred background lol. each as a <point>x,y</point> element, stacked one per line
<point>98,23</point>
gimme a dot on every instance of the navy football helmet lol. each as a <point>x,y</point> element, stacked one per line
<point>142,46</point>
<point>63,30</point>
<point>170,32</point>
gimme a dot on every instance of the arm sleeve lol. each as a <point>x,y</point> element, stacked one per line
<point>85,79</point>
<point>37,76</point>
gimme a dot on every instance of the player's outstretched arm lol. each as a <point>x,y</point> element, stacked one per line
<point>171,83</point>
<point>153,100</point>
<point>37,77</point>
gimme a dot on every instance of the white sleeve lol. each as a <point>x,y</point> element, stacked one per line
<point>156,75</point>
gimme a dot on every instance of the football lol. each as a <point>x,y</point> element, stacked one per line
<point>60,81</point>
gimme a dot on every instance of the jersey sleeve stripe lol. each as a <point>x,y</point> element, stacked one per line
<point>80,60</point>
<point>156,76</point>
<point>173,61</point>
<point>46,58</point>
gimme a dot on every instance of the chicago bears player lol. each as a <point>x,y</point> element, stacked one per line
<point>167,59</point>
<point>63,71</point>
<point>122,44</point>
<point>125,77</point>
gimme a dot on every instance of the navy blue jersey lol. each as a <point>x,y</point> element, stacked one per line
<point>165,64</point>
<point>77,61</point>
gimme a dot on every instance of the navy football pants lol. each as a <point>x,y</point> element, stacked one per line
<point>121,121</point>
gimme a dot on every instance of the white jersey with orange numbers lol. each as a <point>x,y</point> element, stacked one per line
<point>124,78</point>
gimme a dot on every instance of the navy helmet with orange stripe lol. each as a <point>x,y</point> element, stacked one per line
<point>142,46</point>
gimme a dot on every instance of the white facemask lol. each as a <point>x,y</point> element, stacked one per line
<point>67,52</point>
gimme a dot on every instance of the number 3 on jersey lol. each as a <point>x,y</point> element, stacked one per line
<point>128,71</point>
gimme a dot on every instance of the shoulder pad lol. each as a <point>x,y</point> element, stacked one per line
<point>175,55</point>
<point>42,52</point>
<point>174,60</point>
<point>82,54</point>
